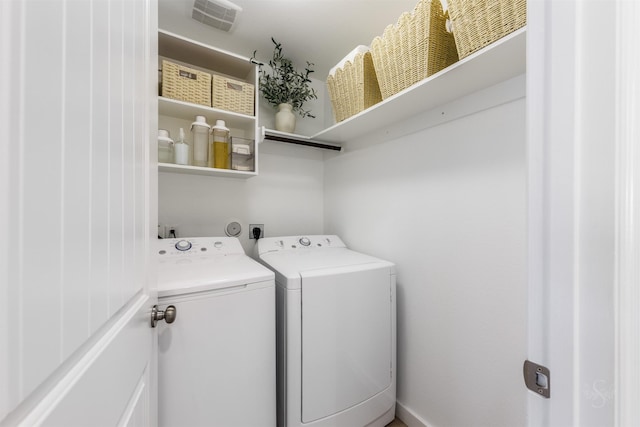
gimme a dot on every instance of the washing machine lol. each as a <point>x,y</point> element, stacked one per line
<point>217,360</point>
<point>335,332</point>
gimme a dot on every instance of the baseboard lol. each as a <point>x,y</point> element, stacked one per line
<point>408,417</point>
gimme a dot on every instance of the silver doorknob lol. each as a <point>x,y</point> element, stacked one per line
<point>168,315</point>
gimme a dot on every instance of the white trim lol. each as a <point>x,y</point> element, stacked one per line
<point>627,268</point>
<point>135,401</point>
<point>408,417</point>
<point>6,40</point>
<point>551,191</point>
<point>537,298</point>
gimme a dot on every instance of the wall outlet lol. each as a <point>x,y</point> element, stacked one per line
<point>171,232</point>
<point>252,226</point>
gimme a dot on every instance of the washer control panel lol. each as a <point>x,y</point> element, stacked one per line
<point>183,245</point>
<point>304,241</point>
<point>271,244</point>
<point>198,246</point>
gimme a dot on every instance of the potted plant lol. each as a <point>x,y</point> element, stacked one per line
<point>285,88</point>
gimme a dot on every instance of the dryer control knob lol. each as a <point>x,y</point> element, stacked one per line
<point>304,241</point>
<point>183,245</point>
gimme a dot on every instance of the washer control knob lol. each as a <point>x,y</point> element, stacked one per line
<point>183,245</point>
<point>304,241</point>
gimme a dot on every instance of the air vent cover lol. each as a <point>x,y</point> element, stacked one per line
<point>220,14</point>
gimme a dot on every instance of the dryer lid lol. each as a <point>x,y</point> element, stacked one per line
<point>288,265</point>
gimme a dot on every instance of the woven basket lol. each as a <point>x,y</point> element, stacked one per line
<point>417,46</point>
<point>186,84</point>
<point>232,95</point>
<point>354,87</point>
<point>478,23</point>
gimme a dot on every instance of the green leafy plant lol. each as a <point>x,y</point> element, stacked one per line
<point>284,84</point>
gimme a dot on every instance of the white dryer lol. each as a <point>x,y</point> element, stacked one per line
<point>336,333</point>
<point>216,362</point>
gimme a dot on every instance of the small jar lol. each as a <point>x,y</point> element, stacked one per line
<point>219,147</point>
<point>165,147</point>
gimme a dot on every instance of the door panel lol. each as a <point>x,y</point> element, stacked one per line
<point>78,107</point>
<point>346,338</point>
<point>110,381</point>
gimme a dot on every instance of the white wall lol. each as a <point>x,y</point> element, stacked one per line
<point>287,197</point>
<point>447,205</point>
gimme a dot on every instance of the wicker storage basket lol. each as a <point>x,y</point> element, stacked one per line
<point>232,95</point>
<point>354,87</point>
<point>186,84</point>
<point>478,23</point>
<point>413,49</point>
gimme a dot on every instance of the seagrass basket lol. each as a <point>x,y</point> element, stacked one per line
<point>186,84</point>
<point>478,23</point>
<point>232,95</point>
<point>353,87</point>
<point>417,46</point>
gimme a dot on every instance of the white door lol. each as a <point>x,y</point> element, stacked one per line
<point>77,195</point>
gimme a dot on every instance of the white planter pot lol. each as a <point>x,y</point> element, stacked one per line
<point>285,119</point>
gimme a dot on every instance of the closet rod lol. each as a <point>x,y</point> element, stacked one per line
<point>300,141</point>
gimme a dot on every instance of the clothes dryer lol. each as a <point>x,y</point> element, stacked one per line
<point>336,332</point>
<point>216,362</point>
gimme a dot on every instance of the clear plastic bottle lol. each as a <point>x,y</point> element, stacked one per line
<point>165,147</point>
<point>219,146</point>
<point>181,150</point>
<point>200,133</point>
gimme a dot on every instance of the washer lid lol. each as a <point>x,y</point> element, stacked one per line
<point>191,275</point>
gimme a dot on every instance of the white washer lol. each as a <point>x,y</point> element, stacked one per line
<point>336,332</point>
<point>216,362</point>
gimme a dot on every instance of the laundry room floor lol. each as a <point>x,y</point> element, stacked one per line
<point>396,423</point>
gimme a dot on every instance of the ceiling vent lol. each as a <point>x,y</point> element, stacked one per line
<point>220,14</point>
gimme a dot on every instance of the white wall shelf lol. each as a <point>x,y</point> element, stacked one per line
<point>500,61</point>
<point>197,170</point>
<point>187,111</point>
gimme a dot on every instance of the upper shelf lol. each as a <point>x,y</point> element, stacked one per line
<point>204,56</point>
<point>187,111</point>
<point>500,61</point>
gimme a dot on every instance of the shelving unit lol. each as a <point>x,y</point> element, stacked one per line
<point>500,61</point>
<point>174,113</point>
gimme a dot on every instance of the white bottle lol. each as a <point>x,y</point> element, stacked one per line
<point>200,131</point>
<point>181,150</point>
